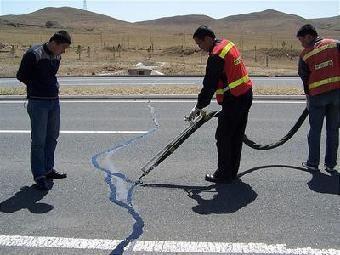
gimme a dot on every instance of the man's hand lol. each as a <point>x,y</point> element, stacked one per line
<point>193,114</point>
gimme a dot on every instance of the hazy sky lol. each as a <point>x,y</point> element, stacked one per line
<point>137,10</point>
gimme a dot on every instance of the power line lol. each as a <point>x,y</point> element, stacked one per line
<point>84,5</point>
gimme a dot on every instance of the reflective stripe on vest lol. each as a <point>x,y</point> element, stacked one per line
<point>318,50</point>
<point>226,49</point>
<point>323,82</point>
<point>237,81</point>
<point>324,65</point>
<point>234,84</point>
<point>221,91</point>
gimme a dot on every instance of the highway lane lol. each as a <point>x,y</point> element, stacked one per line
<point>155,81</point>
<point>276,203</point>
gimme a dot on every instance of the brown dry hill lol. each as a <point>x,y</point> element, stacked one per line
<point>168,41</point>
<point>332,23</point>
<point>179,21</point>
<point>266,29</point>
<point>64,17</point>
<point>264,22</point>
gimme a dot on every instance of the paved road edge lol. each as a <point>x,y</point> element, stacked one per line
<point>158,96</point>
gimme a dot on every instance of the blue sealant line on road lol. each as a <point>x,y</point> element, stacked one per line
<point>121,191</point>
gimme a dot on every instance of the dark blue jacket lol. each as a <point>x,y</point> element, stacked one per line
<point>38,70</point>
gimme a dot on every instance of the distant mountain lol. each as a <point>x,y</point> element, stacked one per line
<point>263,23</point>
<point>64,17</point>
<point>332,23</point>
<point>269,14</point>
<point>180,20</point>
<point>274,20</point>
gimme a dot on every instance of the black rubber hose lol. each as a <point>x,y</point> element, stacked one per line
<point>289,135</point>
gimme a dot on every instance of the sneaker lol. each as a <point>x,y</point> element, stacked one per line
<point>310,167</point>
<point>55,175</point>
<point>43,184</point>
<point>330,170</point>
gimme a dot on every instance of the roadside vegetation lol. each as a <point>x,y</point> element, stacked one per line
<point>102,45</point>
<point>113,53</point>
<point>147,90</point>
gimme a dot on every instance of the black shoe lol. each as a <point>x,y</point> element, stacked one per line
<point>44,184</point>
<point>55,175</point>
<point>310,167</point>
<point>330,170</point>
<point>217,179</point>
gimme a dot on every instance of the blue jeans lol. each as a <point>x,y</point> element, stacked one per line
<point>320,106</point>
<point>45,127</point>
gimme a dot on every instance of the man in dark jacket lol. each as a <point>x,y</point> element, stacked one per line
<point>226,75</point>
<point>37,71</point>
<point>319,69</point>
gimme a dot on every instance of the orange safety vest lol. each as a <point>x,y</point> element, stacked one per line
<point>238,81</point>
<point>323,60</point>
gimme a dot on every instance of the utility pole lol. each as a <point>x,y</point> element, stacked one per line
<point>84,5</point>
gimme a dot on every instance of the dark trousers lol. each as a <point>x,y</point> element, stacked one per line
<point>232,123</point>
<point>45,126</point>
<point>321,106</point>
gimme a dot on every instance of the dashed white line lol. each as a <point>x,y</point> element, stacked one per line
<point>160,246</point>
<point>56,242</point>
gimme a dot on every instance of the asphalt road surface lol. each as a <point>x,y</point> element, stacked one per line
<point>276,208</point>
<point>155,81</point>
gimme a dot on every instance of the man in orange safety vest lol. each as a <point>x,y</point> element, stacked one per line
<point>226,75</point>
<point>319,69</point>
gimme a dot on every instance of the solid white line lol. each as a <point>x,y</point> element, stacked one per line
<point>278,102</point>
<point>179,101</point>
<point>153,80</point>
<point>75,132</point>
<point>100,83</point>
<point>160,246</point>
<point>219,247</point>
<point>158,101</point>
<point>276,79</point>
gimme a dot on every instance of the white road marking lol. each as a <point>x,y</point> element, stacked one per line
<point>150,83</point>
<point>159,246</point>
<point>128,101</point>
<point>75,132</point>
<point>157,101</point>
<point>178,101</point>
<point>56,242</point>
<point>126,84</point>
<point>228,248</point>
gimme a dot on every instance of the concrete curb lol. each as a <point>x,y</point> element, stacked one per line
<point>176,96</point>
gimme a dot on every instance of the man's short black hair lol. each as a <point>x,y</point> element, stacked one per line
<point>61,37</point>
<point>307,29</point>
<point>203,31</point>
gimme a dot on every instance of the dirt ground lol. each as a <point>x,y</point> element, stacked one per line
<point>113,54</point>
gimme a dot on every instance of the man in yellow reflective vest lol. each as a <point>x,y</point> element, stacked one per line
<point>226,75</point>
<point>319,69</point>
